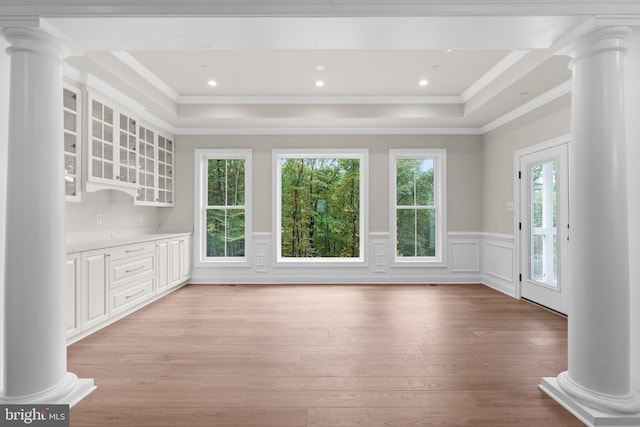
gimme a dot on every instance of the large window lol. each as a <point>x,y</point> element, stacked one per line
<point>223,180</point>
<point>418,220</point>
<point>320,205</point>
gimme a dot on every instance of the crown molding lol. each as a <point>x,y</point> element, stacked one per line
<point>320,8</point>
<point>109,91</point>
<point>146,74</point>
<point>322,100</point>
<point>545,98</point>
<point>328,131</point>
<point>23,21</point>
<point>72,73</point>
<point>495,72</point>
<point>159,84</point>
<point>564,45</point>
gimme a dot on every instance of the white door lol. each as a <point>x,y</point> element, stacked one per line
<point>543,227</point>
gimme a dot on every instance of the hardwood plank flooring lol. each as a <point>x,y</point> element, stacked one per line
<point>325,355</point>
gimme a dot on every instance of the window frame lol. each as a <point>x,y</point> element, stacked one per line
<point>439,157</point>
<point>201,162</point>
<point>362,154</point>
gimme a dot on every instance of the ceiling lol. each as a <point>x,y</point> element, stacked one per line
<point>481,71</point>
<point>295,72</point>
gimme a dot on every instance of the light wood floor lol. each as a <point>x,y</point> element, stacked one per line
<point>313,356</point>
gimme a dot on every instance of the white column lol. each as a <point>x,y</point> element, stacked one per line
<point>35,361</point>
<point>632,90</point>
<point>597,384</point>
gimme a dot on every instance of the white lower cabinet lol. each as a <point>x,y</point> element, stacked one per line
<point>162,259</point>
<point>132,294</point>
<point>95,307</point>
<point>179,260</point>
<point>132,274</point>
<point>174,261</point>
<point>185,258</point>
<point>105,284</point>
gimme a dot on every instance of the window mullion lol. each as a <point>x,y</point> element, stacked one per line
<point>422,169</point>
<point>415,206</point>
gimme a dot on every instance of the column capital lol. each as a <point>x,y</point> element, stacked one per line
<point>600,39</point>
<point>31,39</point>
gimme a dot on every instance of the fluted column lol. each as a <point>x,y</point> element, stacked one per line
<point>598,377</point>
<point>35,362</point>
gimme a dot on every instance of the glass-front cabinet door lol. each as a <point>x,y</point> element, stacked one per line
<point>112,157</point>
<point>146,167</point>
<point>101,149</point>
<point>128,143</point>
<point>165,171</point>
<point>71,119</point>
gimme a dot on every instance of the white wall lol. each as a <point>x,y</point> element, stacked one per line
<point>118,213</point>
<point>632,90</point>
<point>464,158</point>
<point>464,211</point>
<point>543,124</point>
<point>499,252</point>
<point>4,136</point>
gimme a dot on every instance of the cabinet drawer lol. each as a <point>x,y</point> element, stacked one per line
<point>120,252</point>
<point>129,296</point>
<point>124,270</point>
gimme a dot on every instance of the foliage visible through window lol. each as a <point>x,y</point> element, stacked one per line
<point>225,219</point>
<point>320,207</point>
<point>544,223</point>
<point>415,209</point>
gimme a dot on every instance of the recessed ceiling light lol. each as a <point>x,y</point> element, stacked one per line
<point>449,50</point>
<point>320,67</point>
<point>212,83</point>
<point>319,83</point>
<point>423,82</point>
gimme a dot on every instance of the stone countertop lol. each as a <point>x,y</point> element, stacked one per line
<point>90,241</point>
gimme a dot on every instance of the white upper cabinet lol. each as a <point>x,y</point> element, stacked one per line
<point>128,158</point>
<point>72,125</point>
<point>155,168</point>
<point>106,147</point>
<point>112,147</point>
<point>165,171</point>
<point>146,166</point>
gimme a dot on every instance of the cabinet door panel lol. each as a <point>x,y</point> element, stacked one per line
<point>174,269</point>
<point>72,283</point>
<point>130,295</point>
<point>162,263</point>
<point>124,270</point>
<point>94,289</point>
<point>185,258</point>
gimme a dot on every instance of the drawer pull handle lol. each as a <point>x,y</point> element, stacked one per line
<point>135,269</point>
<point>134,250</point>
<point>136,294</point>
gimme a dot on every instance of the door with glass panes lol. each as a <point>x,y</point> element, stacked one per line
<point>543,227</point>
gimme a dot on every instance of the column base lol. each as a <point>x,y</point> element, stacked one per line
<point>588,415</point>
<point>69,391</point>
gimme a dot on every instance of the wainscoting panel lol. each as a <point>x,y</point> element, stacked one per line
<point>262,252</point>
<point>378,248</point>
<point>499,263</point>
<point>464,265</point>
<point>465,256</point>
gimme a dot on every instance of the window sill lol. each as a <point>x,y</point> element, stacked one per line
<point>322,263</point>
<point>231,263</point>
<point>413,263</point>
